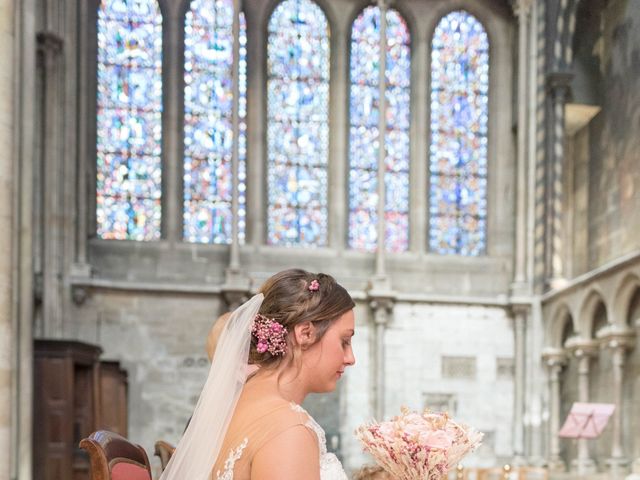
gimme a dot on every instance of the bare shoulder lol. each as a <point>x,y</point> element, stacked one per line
<point>291,455</point>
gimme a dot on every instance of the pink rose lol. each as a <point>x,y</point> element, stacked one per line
<point>436,439</point>
<point>387,429</point>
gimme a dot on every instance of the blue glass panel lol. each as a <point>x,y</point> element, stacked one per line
<point>129,111</point>
<point>208,129</point>
<point>458,152</point>
<point>364,136</point>
<point>297,133</point>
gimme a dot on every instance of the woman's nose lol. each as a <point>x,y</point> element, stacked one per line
<point>350,358</point>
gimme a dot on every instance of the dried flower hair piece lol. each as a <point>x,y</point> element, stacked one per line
<point>314,286</point>
<point>270,335</point>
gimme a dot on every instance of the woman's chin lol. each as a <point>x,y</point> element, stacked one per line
<point>327,388</point>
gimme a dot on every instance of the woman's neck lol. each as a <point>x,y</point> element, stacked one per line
<point>285,381</point>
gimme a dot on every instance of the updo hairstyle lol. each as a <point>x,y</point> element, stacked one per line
<point>288,301</point>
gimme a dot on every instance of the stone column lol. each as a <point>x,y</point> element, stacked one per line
<point>555,361</point>
<point>256,124</point>
<point>522,10</point>
<point>583,351</point>
<point>50,50</point>
<point>558,85</point>
<point>234,254</point>
<point>172,140</point>
<point>519,329</point>
<point>382,129</point>
<point>636,464</point>
<point>19,130</point>
<point>380,294</point>
<point>236,286</point>
<point>8,336</point>
<point>381,305</point>
<point>619,341</point>
<point>339,90</point>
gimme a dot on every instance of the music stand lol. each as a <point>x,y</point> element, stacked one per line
<point>586,420</point>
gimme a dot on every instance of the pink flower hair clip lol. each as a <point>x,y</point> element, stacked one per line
<point>314,286</point>
<point>270,335</point>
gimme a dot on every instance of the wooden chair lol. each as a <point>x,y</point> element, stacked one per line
<point>164,450</point>
<point>113,457</point>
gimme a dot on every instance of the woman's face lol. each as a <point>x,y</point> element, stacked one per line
<point>326,360</point>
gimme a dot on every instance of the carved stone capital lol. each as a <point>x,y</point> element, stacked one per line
<point>520,309</point>
<point>554,359</point>
<point>49,42</point>
<point>559,83</point>
<point>521,8</point>
<point>38,288</point>
<point>79,294</point>
<point>236,289</point>
<point>381,298</point>
<point>582,347</point>
<point>381,302</point>
<point>616,337</point>
<point>382,307</point>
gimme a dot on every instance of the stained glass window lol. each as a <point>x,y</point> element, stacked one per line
<point>458,152</point>
<point>208,129</point>
<point>129,109</point>
<point>298,131</point>
<point>364,136</point>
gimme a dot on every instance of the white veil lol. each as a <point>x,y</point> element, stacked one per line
<point>200,445</point>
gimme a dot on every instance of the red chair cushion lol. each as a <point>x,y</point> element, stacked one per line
<point>129,471</point>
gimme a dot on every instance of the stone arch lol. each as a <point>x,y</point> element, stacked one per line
<point>627,300</point>
<point>560,327</point>
<point>592,311</point>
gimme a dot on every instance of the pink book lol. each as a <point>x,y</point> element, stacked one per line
<point>586,420</point>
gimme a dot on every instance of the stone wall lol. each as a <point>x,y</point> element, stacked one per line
<point>160,341</point>
<point>614,191</point>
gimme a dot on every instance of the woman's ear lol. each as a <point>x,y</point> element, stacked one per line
<point>305,334</point>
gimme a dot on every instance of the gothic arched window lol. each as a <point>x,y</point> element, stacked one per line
<point>129,111</point>
<point>208,127</point>
<point>298,128</point>
<point>364,136</point>
<point>458,153</point>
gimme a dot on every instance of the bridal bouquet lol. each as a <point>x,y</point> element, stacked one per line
<point>415,446</point>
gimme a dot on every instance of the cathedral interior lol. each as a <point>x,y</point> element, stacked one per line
<point>465,168</point>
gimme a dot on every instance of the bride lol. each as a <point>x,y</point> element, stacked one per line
<point>291,339</point>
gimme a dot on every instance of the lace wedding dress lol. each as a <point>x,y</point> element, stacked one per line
<point>254,424</point>
<point>330,466</point>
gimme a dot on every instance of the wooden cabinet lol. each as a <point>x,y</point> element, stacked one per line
<point>113,398</point>
<point>74,394</point>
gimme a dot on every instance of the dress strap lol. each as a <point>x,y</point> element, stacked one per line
<point>313,426</point>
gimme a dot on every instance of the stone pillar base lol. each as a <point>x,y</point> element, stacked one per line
<point>556,465</point>
<point>583,466</point>
<point>617,467</point>
<point>537,461</point>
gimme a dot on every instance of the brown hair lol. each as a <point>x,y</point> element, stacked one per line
<point>288,301</point>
